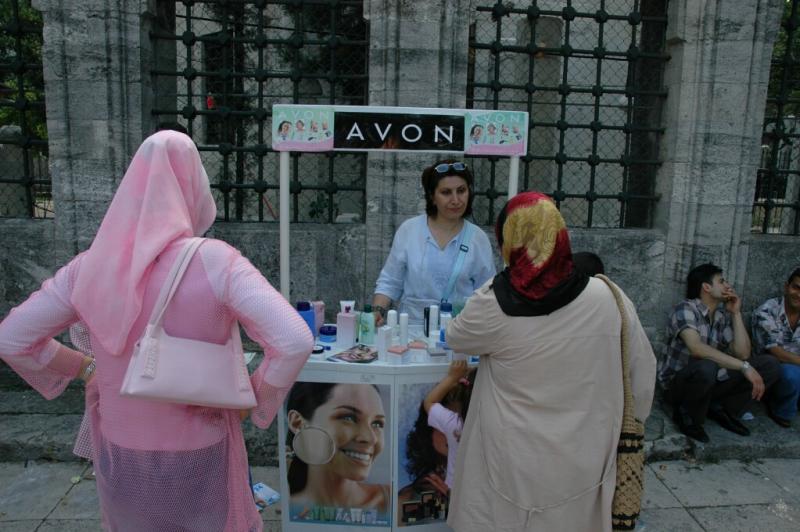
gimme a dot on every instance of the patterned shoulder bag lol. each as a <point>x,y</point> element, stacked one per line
<point>630,451</point>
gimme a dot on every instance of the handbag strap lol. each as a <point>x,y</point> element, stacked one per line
<point>463,248</point>
<point>628,419</point>
<point>173,280</point>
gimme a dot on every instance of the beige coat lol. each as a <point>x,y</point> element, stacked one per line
<point>538,447</point>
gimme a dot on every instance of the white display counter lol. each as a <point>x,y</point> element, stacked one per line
<point>362,464</point>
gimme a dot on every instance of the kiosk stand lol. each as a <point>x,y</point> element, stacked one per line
<point>364,421</point>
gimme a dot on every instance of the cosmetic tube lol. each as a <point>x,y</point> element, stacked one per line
<point>319,315</point>
<point>383,337</point>
<point>433,321</point>
<point>403,328</point>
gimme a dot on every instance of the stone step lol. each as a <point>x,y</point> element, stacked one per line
<point>32,428</point>
<point>52,437</point>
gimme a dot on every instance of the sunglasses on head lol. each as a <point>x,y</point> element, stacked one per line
<point>445,167</point>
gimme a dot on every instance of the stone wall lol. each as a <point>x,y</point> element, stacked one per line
<point>97,59</point>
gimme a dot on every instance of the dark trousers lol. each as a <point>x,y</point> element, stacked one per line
<point>695,387</point>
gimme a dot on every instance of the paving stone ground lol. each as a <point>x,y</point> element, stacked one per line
<point>680,495</point>
<point>731,484</point>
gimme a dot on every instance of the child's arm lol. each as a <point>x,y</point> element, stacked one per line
<point>458,370</point>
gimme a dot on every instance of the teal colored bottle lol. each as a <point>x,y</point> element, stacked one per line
<point>366,328</point>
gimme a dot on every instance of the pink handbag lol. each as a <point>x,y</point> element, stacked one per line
<point>181,370</point>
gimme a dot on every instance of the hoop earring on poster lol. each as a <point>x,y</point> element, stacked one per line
<point>313,445</point>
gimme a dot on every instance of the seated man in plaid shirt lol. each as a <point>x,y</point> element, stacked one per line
<point>707,370</point>
<point>776,331</point>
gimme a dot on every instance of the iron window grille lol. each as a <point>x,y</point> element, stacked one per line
<point>776,206</point>
<point>590,75</point>
<point>219,66</point>
<point>25,190</point>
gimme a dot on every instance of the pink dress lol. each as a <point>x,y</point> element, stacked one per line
<point>164,466</point>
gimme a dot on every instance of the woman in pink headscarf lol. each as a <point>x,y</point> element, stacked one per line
<point>159,466</point>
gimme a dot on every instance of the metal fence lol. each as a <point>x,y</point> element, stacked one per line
<point>24,175</point>
<point>590,74</point>
<point>776,206</point>
<point>219,68</point>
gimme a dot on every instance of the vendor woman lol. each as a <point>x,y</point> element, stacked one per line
<point>437,256</point>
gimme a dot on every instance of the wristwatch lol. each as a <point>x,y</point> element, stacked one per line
<point>88,370</point>
<point>745,366</point>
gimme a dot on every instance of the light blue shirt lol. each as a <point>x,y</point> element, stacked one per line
<point>417,270</point>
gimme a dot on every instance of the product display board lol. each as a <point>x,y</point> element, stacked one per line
<point>321,128</point>
<point>315,128</point>
<point>373,461</point>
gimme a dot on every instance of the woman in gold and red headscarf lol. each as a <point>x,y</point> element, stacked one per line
<point>538,448</point>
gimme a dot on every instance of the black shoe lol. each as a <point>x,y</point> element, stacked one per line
<point>728,422</point>
<point>696,432</point>
<point>780,421</point>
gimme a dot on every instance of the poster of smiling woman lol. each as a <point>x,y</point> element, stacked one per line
<point>337,471</point>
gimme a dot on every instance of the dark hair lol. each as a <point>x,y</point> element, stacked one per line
<point>173,126</point>
<point>422,457</point>
<point>588,263</point>
<point>462,394</point>
<point>280,126</point>
<point>498,226</point>
<point>305,397</point>
<point>795,273</point>
<point>697,276</point>
<point>472,129</point>
<point>431,178</point>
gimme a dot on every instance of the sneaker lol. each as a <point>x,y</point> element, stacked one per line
<point>728,422</point>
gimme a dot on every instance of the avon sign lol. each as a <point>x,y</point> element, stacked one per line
<point>392,131</point>
<point>317,128</point>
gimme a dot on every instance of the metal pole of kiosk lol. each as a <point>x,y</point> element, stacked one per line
<point>513,176</point>
<point>284,222</point>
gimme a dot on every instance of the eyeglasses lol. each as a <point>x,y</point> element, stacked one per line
<point>444,167</point>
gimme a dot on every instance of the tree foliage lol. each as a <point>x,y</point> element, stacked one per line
<point>21,76</point>
<point>784,76</point>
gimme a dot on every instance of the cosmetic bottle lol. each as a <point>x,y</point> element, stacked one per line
<point>445,315</point>
<point>433,322</point>
<point>391,321</point>
<point>307,313</point>
<point>319,314</point>
<point>383,337</point>
<point>366,333</point>
<point>346,328</point>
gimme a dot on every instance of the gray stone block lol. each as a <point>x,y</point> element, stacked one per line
<point>80,502</point>
<point>29,401</point>
<point>782,472</point>
<point>667,520</point>
<point>35,490</point>
<point>38,437</point>
<point>656,494</point>
<point>723,484</point>
<point>777,516</point>
<point>262,445</point>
